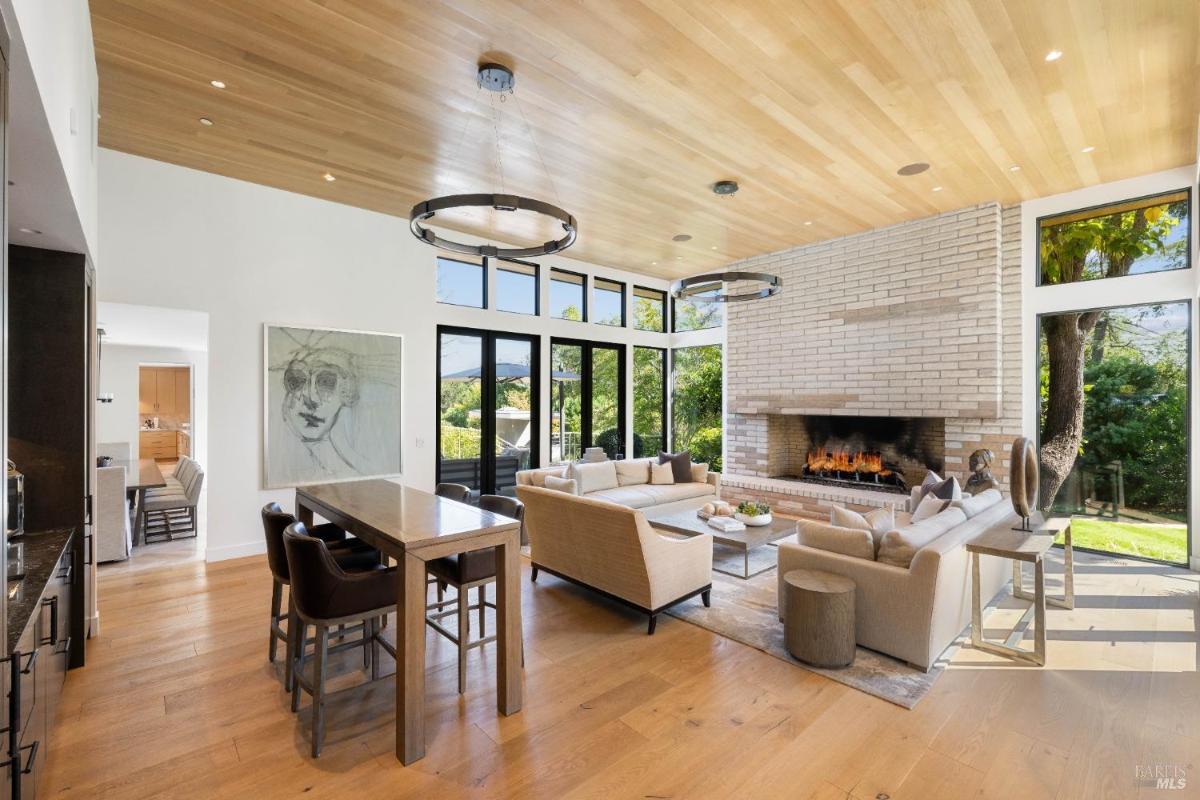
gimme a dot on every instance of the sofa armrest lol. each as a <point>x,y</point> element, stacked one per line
<point>678,567</point>
<point>714,479</point>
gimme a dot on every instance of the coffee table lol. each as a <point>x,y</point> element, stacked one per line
<point>685,521</point>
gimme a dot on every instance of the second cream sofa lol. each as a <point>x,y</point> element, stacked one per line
<point>632,489</point>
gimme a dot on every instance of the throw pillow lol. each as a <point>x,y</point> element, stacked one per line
<point>855,542</point>
<point>900,546</point>
<point>878,522</point>
<point>700,473</point>
<point>567,485</point>
<point>929,507</point>
<point>681,465</point>
<point>594,477</point>
<point>947,489</point>
<point>633,473</point>
<point>537,477</point>
<point>661,474</point>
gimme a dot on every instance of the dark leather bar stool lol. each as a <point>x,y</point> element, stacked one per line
<point>352,554</point>
<point>326,595</point>
<point>464,572</point>
<point>453,491</point>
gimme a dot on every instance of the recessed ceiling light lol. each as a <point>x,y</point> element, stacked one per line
<point>1015,168</point>
<point>681,237</point>
<point>34,231</point>
<point>936,189</point>
<point>329,177</point>
<point>1054,55</point>
<point>1087,149</point>
<point>206,121</point>
<point>714,247</point>
<point>654,263</point>
<point>915,168</point>
<point>808,222</point>
<point>679,258</point>
<point>217,84</point>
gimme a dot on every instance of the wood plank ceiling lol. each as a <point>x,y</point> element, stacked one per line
<point>637,106</point>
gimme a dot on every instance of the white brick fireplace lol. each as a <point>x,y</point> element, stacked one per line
<point>916,321</point>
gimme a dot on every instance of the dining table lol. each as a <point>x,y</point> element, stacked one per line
<point>140,475</point>
<point>413,527</point>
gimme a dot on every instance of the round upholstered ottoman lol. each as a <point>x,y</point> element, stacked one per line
<point>818,617</point>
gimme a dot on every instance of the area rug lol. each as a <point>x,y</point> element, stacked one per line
<point>745,611</point>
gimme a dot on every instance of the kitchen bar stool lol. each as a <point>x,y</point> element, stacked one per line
<point>466,571</point>
<point>326,595</point>
<point>352,554</point>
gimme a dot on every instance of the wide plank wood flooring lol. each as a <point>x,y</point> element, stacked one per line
<point>178,700</point>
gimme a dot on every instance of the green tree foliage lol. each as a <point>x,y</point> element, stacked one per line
<point>697,401</point>
<point>648,399</point>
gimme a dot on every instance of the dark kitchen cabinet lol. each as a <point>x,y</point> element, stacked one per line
<point>37,668</point>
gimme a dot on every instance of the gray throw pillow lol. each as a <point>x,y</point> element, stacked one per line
<point>681,465</point>
<point>947,490</point>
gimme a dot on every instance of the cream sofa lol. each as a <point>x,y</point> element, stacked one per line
<point>611,549</point>
<point>633,490</point>
<point>912,613</point>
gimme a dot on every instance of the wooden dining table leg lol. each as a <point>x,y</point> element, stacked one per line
<point>509,693</point>
<point>410,669</point>
<point>304,514</point>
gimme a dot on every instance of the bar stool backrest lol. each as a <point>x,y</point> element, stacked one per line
<point>275,521</point>
<point>316,577</point>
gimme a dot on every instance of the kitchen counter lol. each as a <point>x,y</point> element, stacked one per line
<point>42,551</point>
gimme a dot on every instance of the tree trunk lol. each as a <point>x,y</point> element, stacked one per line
<point>1062,430</point>
<point>1099,337</point>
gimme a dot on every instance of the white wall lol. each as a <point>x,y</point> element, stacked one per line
<point>54,37</point>
<point>1156,287</point>
<point>118,421</point>
<point>247,255</point>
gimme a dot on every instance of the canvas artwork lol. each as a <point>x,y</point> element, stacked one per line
<point>332,405</point>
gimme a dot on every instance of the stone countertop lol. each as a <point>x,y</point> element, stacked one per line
<point>42,551</point>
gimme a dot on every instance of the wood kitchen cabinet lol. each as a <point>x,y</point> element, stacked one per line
<point>159,445</point>
<point>165,392</point>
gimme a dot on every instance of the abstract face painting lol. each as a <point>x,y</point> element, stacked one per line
<point>332,405</point>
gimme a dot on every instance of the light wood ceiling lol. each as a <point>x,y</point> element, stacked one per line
<point>638,106</point>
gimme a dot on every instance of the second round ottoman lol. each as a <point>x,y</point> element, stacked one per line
<point>818,617</point>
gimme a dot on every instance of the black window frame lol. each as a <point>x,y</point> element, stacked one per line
<point>487,399</point>
<point>622,292</point>
<point>583,293</point>
<point>664,301</point>
<point>1037,228</point>
<point>483,267</point>
<point>586,434</point>
<point>664,352</point>
<point>537,285</point>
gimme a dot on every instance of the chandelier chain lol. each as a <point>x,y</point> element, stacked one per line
<point>499,160</point>
<point>538,149</point>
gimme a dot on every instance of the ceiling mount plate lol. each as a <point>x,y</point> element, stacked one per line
<point>496,78</point>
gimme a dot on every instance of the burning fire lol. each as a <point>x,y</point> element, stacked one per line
<point>847,461</point>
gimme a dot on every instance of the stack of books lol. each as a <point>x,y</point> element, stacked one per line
<point>725,524</point>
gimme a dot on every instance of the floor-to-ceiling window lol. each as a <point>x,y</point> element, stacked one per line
<point>487,408</point>
<point>649,401</point>
<point>587,393</point>
<point>696,421</point>
<point>1113,379</point>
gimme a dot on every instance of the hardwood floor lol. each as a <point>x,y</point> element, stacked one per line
<point>178,700</point>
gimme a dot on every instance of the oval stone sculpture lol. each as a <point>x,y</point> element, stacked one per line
<point>1023,480</point>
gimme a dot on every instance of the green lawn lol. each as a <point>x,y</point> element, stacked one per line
<point>1142,539</point>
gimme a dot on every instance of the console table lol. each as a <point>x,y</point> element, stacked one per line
<point>1022,547</point>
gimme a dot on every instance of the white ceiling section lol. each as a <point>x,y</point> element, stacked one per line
<point>152,326</point>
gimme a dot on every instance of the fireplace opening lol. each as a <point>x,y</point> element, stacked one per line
<point>880,453</point>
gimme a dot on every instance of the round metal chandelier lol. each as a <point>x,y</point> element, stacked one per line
<point>499,80</point>
<point>713,286</point>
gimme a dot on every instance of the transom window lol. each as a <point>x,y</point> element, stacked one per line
<point>461,283</point>
<point>649,309</point>
<point>568,300</point>
<point>608,302</point>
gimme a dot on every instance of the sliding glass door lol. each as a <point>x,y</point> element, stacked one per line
<point>487,408</point>
<point>587,394</point>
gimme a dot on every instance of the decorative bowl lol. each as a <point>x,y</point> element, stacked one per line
<point>756,521</point>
